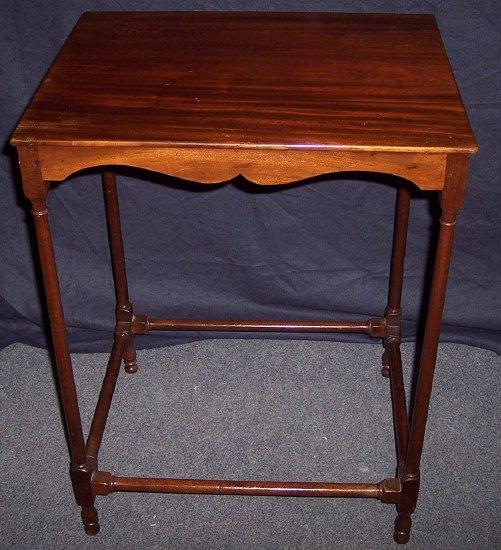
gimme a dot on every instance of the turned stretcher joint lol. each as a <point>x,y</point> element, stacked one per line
<point>377,327</point>
<point>125,320</point>
<point>390,490</point>
<point>124,313</point>
<point>80,477</point>
<point>140,324</point>
<point>393,318</point>
<point>102,483</point>
<point>409,489</point>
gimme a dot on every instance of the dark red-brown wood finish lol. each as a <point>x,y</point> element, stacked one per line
<point>369,82</point>
<point>277,97</point>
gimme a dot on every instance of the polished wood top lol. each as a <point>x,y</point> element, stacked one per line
<point>370,82</point>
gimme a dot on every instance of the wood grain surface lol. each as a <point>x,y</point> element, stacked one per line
<point>260,166</point>
<point>370,82</point>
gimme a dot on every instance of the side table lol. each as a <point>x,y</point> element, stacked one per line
<point>275,97</point>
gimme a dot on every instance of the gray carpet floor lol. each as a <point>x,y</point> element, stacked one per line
<point>251,409</point>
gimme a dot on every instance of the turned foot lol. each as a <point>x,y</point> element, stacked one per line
<point>385,369</point>
<point>90,520</point>
<point>130,366</point>
<point>402,532</point>
<point>130,359</point>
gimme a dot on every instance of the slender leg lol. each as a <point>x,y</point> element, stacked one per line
<point>392,362</point>
<point>399,406</point>
<point>451,202</point>
<point>96,431</point>
<point>124,307</point>
<point>81,467</point>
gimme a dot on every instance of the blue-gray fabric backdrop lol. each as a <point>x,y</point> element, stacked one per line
<point>309,251</point>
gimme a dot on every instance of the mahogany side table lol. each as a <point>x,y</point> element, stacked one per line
<point>275,97</point>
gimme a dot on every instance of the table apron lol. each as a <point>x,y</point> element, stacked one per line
<point>263,166</point>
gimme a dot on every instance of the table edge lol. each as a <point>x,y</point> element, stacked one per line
<point>17,141</point>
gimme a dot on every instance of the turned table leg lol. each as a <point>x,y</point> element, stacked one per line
<point>451,202</point>
<point>124,310</point>
<point>35,190</point>
<point>392,361</point>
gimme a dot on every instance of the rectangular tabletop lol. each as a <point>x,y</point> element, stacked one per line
<point>372,82</point>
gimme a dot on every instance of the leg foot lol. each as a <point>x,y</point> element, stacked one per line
<point>402,531</point>
<point>385,369</point>
<point>90,520</point>
<point>130,359</point>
